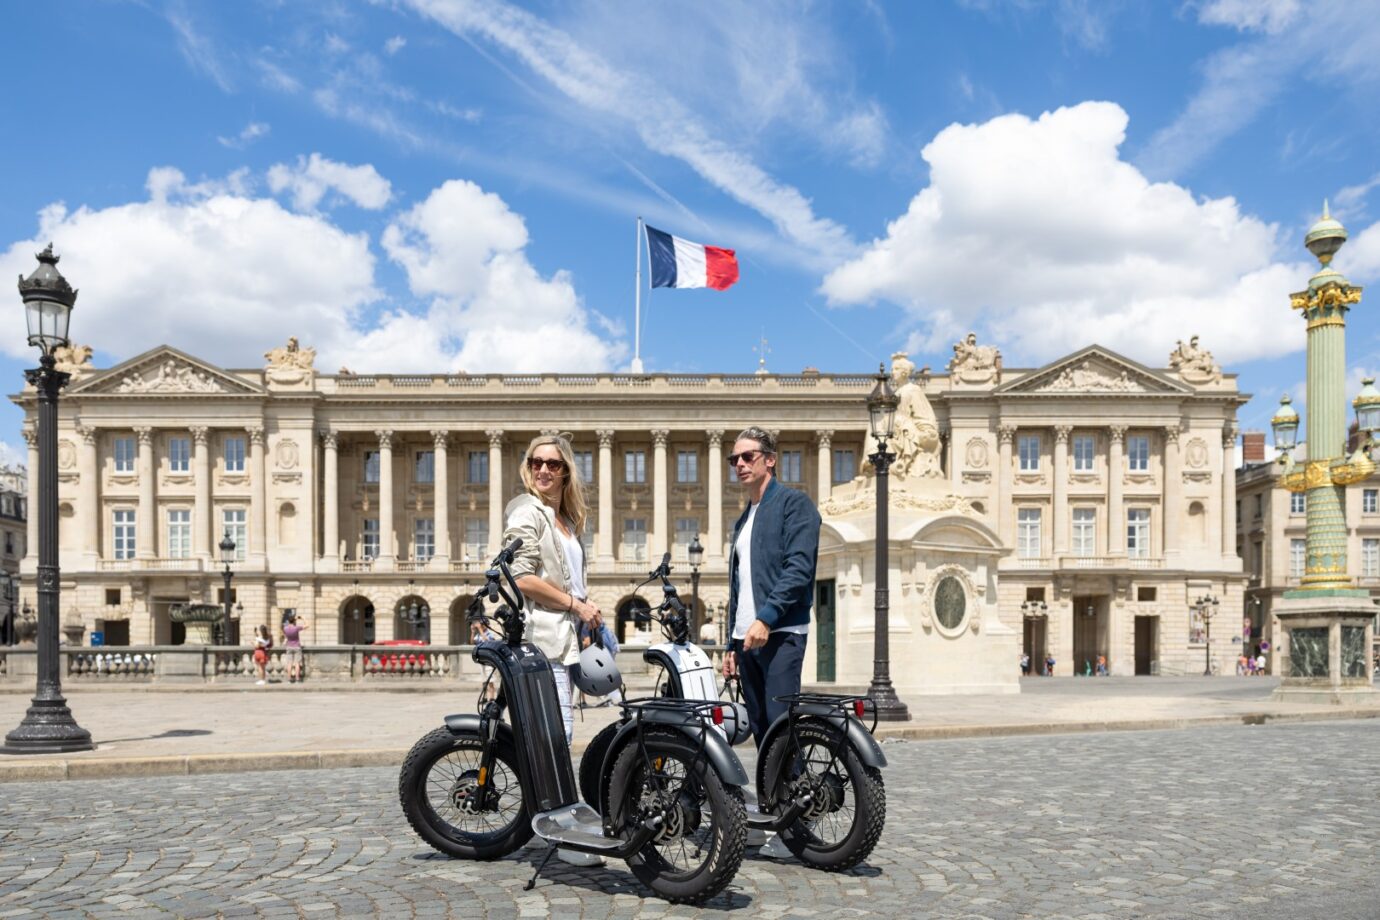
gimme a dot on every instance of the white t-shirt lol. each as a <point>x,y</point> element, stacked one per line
<point>574,557</point>
<point>747,603</point>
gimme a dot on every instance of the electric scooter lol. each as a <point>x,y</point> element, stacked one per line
<point>671,799</point>
<point>819,781</point>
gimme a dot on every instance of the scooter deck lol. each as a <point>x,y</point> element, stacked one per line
<point>574,825</point>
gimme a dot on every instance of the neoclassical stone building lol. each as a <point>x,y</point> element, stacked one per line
<point>353,498</point>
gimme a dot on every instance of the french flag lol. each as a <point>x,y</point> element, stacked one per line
<point>678,263</point>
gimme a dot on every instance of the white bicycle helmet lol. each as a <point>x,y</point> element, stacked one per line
<point>596,674</point>
<point>735,724</point>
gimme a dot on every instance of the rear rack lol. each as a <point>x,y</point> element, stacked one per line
<point>842,702</point>
<point>702,708</point>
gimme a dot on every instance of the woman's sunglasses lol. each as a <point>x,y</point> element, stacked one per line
<point>748,456</point>
<point>556,465</point>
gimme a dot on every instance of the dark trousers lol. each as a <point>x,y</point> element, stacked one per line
<point>766,673</point>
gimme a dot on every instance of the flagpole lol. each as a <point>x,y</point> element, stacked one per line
<point>637,306</point>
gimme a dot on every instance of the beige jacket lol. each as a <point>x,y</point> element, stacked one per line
<point>553,631</point>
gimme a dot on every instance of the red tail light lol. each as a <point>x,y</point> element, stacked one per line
<point>718,715</point>
<point>858,708</point>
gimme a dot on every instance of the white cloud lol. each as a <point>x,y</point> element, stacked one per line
<point>250,133</point>
<point>394,44</point>
<point>1269,16</point>
<point>12,455</point>
<point>313,177</point>
<point>202,268</point>
<point>463,248</point>
<point>1036,231</point>
<point>196,48</point>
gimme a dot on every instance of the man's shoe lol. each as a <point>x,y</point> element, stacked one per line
<point>576,858</point>
<point>776,849</point>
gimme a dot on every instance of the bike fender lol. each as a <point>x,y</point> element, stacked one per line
<point>869,751</point>
<point>467,723</point>
<point>716,749</point>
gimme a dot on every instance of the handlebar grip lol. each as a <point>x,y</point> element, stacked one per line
<point>506,554</point>
<point>665,558</point>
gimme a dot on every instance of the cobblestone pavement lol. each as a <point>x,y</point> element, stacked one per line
<point>1259,822</point>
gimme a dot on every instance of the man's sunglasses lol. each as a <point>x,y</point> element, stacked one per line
<point>748,456</point>
<point>556,466</point>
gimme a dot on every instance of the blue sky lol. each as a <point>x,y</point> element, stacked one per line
<point>431,185</point>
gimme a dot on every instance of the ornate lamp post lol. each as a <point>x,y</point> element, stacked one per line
<point>1327,619</point>
<point>227,555</point>
<point>48,726</point>
<point>1207,609</point>
<point>696,554</point>
<point>881,409</point>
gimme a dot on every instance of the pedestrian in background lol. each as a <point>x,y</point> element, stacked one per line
<point>292,647</point>
<point>263,641</point>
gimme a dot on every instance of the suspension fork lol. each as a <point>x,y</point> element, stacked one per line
<point>490,714</point>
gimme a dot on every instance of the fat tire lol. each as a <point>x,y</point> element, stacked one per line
<point>728,816</point>
<point>593,788</point>
<point>430,748</point>
<point>869,792</point>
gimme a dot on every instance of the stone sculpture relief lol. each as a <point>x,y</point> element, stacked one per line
<point>290,364</point>
<point>172,377</point>
<point>1194,363</point>
<point>974,363</point>
<point>1088,376</point>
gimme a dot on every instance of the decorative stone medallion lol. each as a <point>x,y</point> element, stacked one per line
<point>976,454</point>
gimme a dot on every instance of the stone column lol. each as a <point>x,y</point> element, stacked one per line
<point>1116,527</point>
<point>1060,512</point>
<point>258,494</point>
<point>1002,514</point>
<point>89,499</point>
<point>660,541</point>
<point>441,505</point>
<point>825,440</point>
<point>387,546</point>
<point>495,490</point>
<point>146,523</point>
<point>31,517</point>
<point>1229,490</point>
<point>1171,500</point>
<point>202,540</point>
<point>604,535</point>
<point>714,549</point>
<point>330,510</point>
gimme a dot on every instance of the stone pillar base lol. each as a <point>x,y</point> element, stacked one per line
<point>1327,656</point>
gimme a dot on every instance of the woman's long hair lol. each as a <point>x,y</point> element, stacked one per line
<point>573,505</point>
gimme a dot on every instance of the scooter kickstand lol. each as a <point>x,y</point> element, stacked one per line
<point>532,882</point>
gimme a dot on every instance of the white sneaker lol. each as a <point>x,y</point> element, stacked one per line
<point>776,849</point>
<point>577,858</point>
<point>259,682</point>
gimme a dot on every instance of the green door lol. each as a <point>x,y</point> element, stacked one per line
<point>824,630</point>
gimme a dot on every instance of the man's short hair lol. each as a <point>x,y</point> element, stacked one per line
<point>761,436</point>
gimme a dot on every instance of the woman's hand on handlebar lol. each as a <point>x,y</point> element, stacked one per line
<point>588,613</point>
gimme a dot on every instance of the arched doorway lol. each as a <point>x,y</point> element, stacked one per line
<point>629,610</point>
<point>461,632</point>
<point>356,619</point>
<point>412,618</point>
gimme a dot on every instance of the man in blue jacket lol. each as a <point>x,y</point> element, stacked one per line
<point>771,578</point>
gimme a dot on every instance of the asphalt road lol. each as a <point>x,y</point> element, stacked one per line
<point>1252,822</point>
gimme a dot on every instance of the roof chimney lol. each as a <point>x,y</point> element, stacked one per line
<point>1252,447</point>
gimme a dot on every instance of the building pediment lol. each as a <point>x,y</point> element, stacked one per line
<point>1093,371</point>
<point>165,371</point>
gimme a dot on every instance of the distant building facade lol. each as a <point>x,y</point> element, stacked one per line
<point>14,497</point>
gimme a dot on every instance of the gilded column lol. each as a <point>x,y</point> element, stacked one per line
<point>1229,489</point>
<point>89,499</point>
<point>1060,511</point>
<point>660,495</point>
<point>604,535</point>
<point>825,439</point>
<point>441,512</point>
<point>202,538</point>
<point>1005,484</point>
<point>31,517</point>
<point>495,490</point>
<point>258,494</point>
<point>146,524</point>
<point>387,545</point>
<point>714,548</point>
<point>1171,495</point>
<point>1116,537</point>
<point>330,510</point>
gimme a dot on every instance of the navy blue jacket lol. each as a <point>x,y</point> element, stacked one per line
<point>785,547</point>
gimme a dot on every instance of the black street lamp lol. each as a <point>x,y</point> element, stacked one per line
<point>48,726</point>
<point>227,555</point>
<point>696,554</point>
<point>1207,609</point>
<point>881,408</point>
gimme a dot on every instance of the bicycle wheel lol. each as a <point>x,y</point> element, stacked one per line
<point>437,788</point>
<point>700,846</point>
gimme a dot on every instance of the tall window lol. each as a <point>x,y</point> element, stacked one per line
<point>179,534</point>
<point>234,521</point>
<point>789,467</point>
<point>635,466</point>
<point>371,466</point>
<point>124,455</point>
<point>1138,533</point>
<point>1298,501</point>
<point>1370,557</point>
<point>1259,504</point>
<point>1028,447</point>
<point>1084,531</point>
<point>1084,451</point>
<point>687,466</point>
<point>845,464</point>
<point>1370,500</point>
<point>476,537</point>
<point>1297,557</point>
<point>371,538</point>
<point>124,534</point>
<point>426,466</point>
<point>584,465</point>
<point>234,455</point>
<point>687,528</point>
<point>635,539</point>
<point>1028,533</point>
<point>179,455</point>
<point>477,467</point>
<point>1138,453</point>
<point>424,539</point>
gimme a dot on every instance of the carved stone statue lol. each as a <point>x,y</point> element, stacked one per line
<point>915,440</point>
<point>1194,363</point>
<point>73,359</point>
<point>974,363</point>
<point>1090,377</point>
<point>290,364</point>
<point>172,377</point>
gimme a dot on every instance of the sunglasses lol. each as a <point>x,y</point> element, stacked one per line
<point>535,464</point>
<point>748,456</point>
